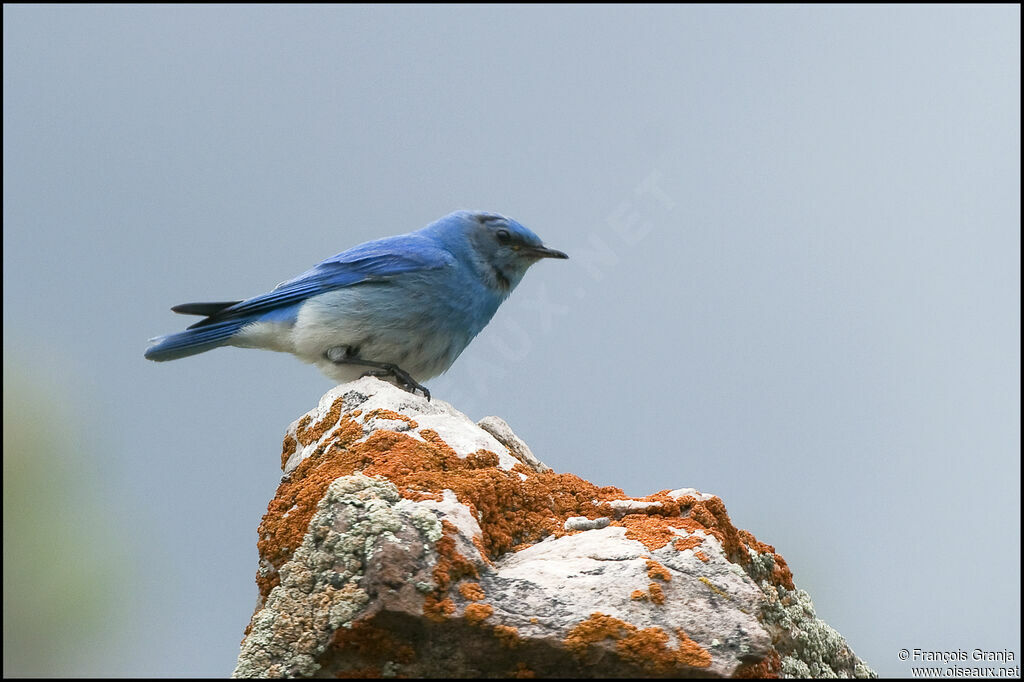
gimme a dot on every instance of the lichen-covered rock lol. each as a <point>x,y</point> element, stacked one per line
<point>405,540</point>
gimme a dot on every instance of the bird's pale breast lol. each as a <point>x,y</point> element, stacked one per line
<point>420,323</point>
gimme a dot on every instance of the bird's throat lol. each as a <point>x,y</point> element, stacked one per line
<point>503,282</point>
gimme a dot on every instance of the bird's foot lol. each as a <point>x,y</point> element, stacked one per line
<point>402,377</point>
<point>348,355</point>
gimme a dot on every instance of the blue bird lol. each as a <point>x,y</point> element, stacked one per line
<point>402,307</point>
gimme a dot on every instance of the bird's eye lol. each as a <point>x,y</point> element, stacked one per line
<point>504,236</point>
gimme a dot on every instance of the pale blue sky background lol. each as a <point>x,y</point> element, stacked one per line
<point>795,283</point>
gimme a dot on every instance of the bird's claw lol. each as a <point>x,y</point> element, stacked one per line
<point>403,378</point>
<point>348,355</point>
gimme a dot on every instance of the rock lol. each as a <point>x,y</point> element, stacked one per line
<point>497,427</point>
<point>583,523</point>
<point>405,540</point>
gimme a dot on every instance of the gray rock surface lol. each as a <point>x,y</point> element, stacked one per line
<point>407,541</point>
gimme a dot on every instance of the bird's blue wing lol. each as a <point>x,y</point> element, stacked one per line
<point>373,261</point>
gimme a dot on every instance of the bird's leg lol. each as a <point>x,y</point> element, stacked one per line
<point>408,383</point>
<point>346,355</point>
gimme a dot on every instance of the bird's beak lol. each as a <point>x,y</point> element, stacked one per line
<point>544,252</point>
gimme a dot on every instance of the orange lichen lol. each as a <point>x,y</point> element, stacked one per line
<point>639,595</point>
<point>683,544</point>
<point>506,635</point>
<point>312,434</point>
<point>594,629</point>
<point>701,555</point>
<point>690,652</point>
<point>657,571</point>
<point>384,413</point>
<point>652,531</point>
<point>288,514</point>
<point>300,429</point>
<point>781,575</point>
<point>436,609</point>
<point>478,543</point>
<point>288,448</point>
<point>768,667</point>
<point>648,649</point>
<point>712,515</point>
<point>371,643</point>
<point>689,525</point>
<point>451,566</point>
<point>471,591</point>
<point>434,438</point>
<point>478,613</point>
<point>512,513</point>
<point>657,595</point>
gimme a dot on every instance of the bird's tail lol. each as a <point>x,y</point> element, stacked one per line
<point>193,340</point>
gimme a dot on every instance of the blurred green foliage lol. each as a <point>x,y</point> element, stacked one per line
<point>64,564</point>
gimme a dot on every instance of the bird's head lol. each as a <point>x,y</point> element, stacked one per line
<point>501,248</point>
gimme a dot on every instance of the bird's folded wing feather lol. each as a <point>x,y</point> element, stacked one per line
<point>374,261</point>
